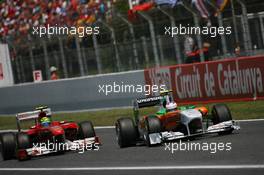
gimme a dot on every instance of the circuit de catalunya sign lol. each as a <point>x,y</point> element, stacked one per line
<point>224,80</point>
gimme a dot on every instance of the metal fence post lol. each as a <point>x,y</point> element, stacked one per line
<point>63,61</point>
<point>22,70</point>
<point>161,49</point>
<point>80,61</point>
<point>32,62</point>
<point>221,24</point>
<point>244,34</point>
<point>46,59</point>
<point>199,38</point>
<point>196,23</point>
<point>257,26</point>
<point>153,37</point>
<point>132,32</point>
<point>145,50</point>
<point>175,38</point>
<point>223,37</point>
<point>246,26</point>
<point>97,55</point>
<point>18,71</point>
<point>117,57</point>
<point>84,60</point>
<point>261,28</point>
<point>56,58</point>
<point>234,21</point>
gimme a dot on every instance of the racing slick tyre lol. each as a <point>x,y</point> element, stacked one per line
<point>126,132</point>
<point>23,143</point>
<point>86,130</point>
<point>8,145</point>
<point>221,113</point>
<point>152,125</point>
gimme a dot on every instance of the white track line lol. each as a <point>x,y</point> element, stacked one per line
<point>96,127</point>
<point>104,127</point>
<point>193,167</point>
<point>250,120</point>
<point>78,111</point>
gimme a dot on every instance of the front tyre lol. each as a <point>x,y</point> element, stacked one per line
<point>152,125</point>
<point>86,130</point>
<point>126,132</point>
<point>221,113</point>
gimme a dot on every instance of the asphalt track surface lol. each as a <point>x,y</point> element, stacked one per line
<point>245,157</point>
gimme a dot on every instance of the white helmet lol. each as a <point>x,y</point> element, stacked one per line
<point>53,68</point>
<point>171,106</point>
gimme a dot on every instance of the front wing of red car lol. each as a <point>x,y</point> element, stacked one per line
<point>40,149</point>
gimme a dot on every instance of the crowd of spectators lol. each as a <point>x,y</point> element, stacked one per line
<point>19,16</point>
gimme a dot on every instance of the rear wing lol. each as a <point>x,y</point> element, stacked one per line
<point>31,115</point>
<point>144,102</point>
<point>151,101</point>
<point>147,102</point>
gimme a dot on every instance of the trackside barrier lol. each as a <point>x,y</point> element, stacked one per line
<point>236,79</point>
<point>72,94</point>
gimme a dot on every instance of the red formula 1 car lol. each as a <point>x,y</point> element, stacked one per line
<point>46,136</point>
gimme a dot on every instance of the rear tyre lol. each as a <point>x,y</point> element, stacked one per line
<point>86,130</point>
<point>152,125</point>
<point>126,132</point>
<point>23,143</point>
<point>221,113</point>
<point>8,145</point>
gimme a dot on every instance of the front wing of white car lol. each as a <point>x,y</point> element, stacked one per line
<point>158,138</point>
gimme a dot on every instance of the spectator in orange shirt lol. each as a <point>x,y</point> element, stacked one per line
<point>54,74</point>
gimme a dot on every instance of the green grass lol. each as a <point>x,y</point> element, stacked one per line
<point>239,110</point>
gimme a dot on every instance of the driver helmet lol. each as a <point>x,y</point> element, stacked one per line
<point>170,105</point>
<point>53,69</point>
<point>44,120</point>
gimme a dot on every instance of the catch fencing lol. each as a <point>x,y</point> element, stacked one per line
<point>124,45</point>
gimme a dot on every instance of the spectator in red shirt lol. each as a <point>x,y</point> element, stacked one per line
<point>54,74</point>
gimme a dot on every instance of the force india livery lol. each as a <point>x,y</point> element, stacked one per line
<point>172,122</point>
<point>46,136</point>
